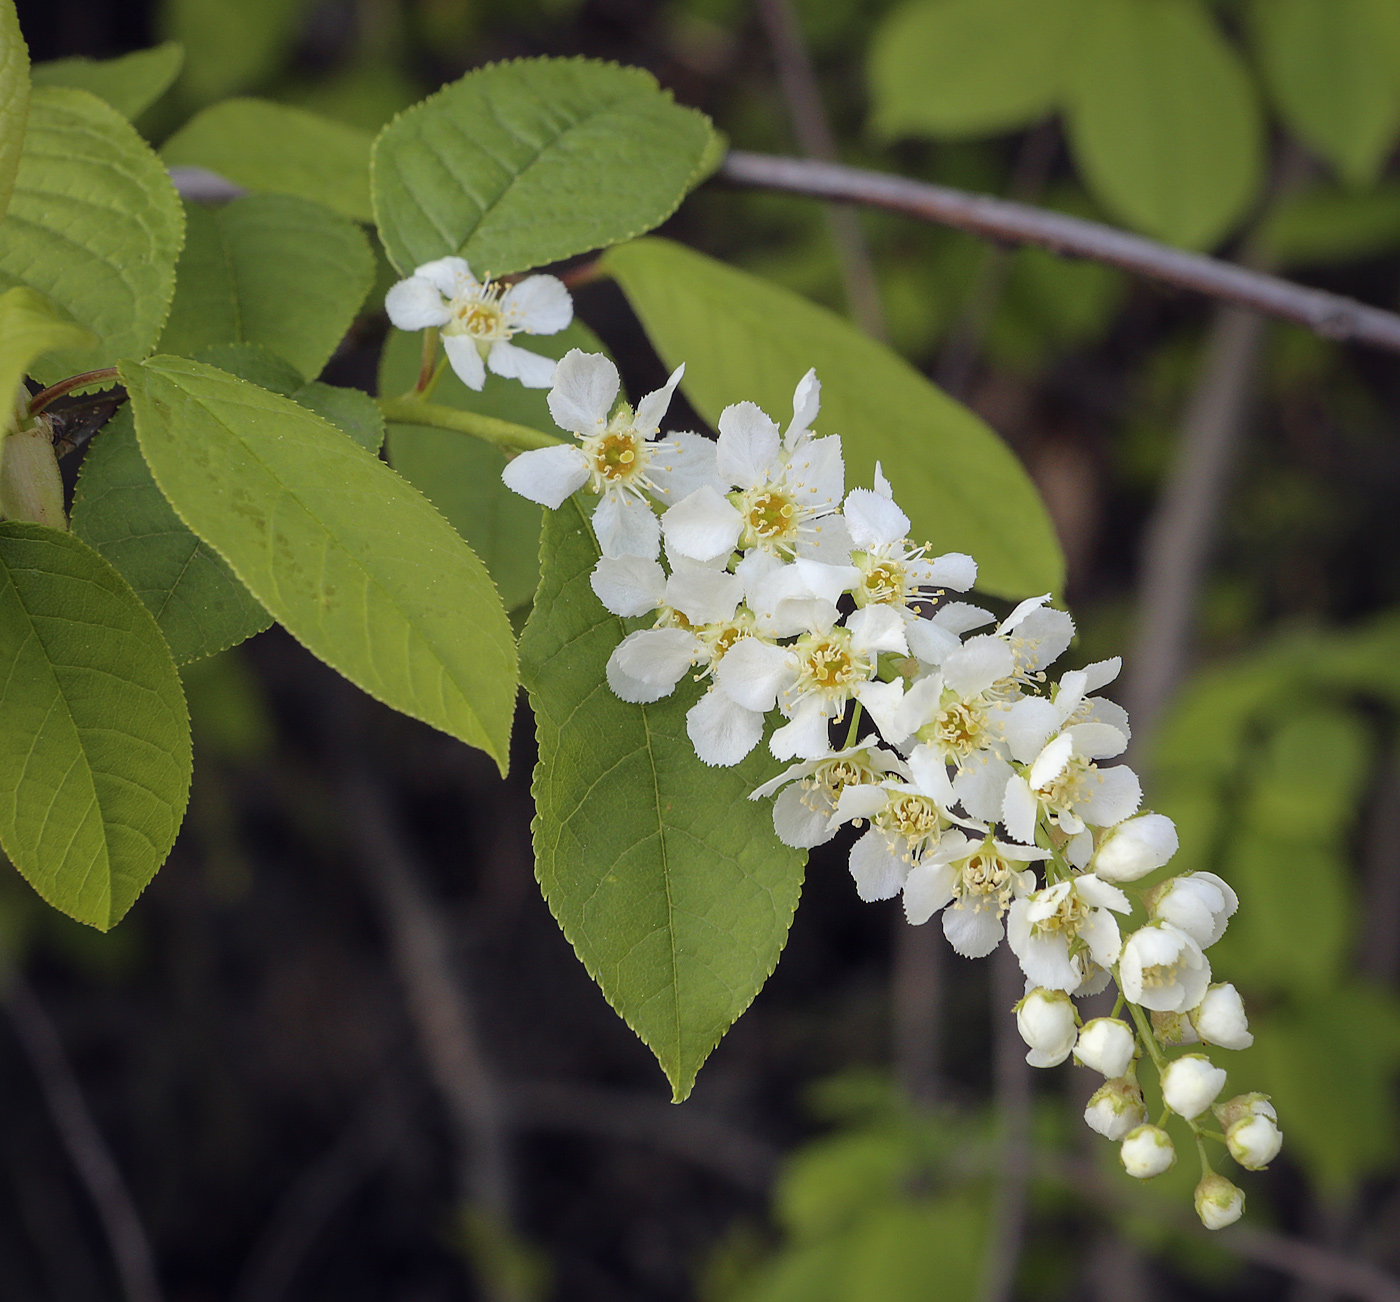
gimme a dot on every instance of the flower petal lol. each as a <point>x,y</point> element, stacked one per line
<point>874,520</point>
<point>1019,810</point>
<point>981,661</point>
<point>703,595</point>
<point>806,403</point>
<point>628,585</point>
<point>512,363</point>
<point>465,359</point>
<point>754,672</point>
<point>798,823</point>
<point>973,933</point>
<point>626,526</point>
<point>680,464</point>
<point>748,445</point>
<point>954,570</point>
<point>702,526</point>
<point>652,408</point>
<point>547,475</point>
<point>928,888</point>
<point>416,304</point>
<point>450,276</point>
<point>585,387</point>
<point>878,871</point>
<point>805,737</point>
<point>538,305</point>
<point>722,731</point>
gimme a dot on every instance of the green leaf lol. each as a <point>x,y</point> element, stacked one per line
<point>351,411</point>
<point>94,737</point>
<point>969,67</point>
<point>231,46</point>
<point>745,338</point>
<point>14,98</point>
<point>1333,69</point>
<point>668,882</point>
<point>1326,225</point>
<point>29,328</point>
<point>130,84</point>
<point>460,475</point>
<point>196,599</point>
<point>95,225</point>
<point>283,150</point>
<point>269,269</point>
<point>1163,120</point>
<point>350,559</point>
<point>523,163</point>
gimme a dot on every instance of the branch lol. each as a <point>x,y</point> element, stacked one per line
<point>1329,315</point>
<point>82,1140</point>
<point>503,433</point>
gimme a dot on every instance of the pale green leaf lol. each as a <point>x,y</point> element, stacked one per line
<point>666,879</point>
<point>94,225</point>
<point>200,605</point>
<point>744,338</point>
<point>1326,224</point>
<point>29,328</point>
<point>230,46</point>
<point>523,163</point>
<point>94,738</point>
<point>14,98</point>
<point>1333,69</point>
<point>461,476</point>
<point>350,559</point>
<point>271,147</point>
<point>269,269</point>
<point>969,67</point>
<point>351,411</point>
<point>1163,119</point>
<point>130,84</point>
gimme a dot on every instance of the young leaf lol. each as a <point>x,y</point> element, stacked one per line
<point>1333,69</point>
<point>350,559</point>
<point>1163,119</point>
<point>745,338</point>
<point>461,476</point>
<point>523,163</point>
<point>268,269</point>
<point>130,84</point>
<point>95,225</point>
<point>668,882</point>
<point>14,98</point>
<point>196,599</point>
<point>94,738</point>
<point>231,46</point>
<point>969,67</point>
<point>279,149</point>
<point>29,328</point>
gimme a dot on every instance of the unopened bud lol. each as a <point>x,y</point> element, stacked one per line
<point>1254,1141</point>
<point>1252,1104</point>
<point>1106,1044</point>
<point>1218,1202</point>
<point>31,487</point>
<point>1221,1019</point>
<point>1147,1151</point>
<point>1200,904</point>
<point>1116,1108</point>
<point>1048,1024</point>
<point>1190,1084</point>
<point>1174,1029</point>
<point>1135,848</point>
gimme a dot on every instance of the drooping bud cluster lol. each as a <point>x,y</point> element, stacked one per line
<point>980,788</point>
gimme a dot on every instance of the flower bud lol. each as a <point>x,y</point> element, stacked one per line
<point>1106,1044</point>
<point>31,487</point>
<point>1220,1018</point>
<point>1047,1022</point>
<point>1135,848</point>
<point>1218,1202</point>
<point>1200,904</point>
<point>1174,1029</point>
<point>1253,1104</point>
<point>1254,1141</point>
<point>1190,1084</point>
<point>1116,1108</point>
<point>1147,1151</point>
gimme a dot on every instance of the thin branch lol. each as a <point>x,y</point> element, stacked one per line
<point>490,429</point>
<point>798,80</point>
<point>1329,315</point>
<point>87,1150</point>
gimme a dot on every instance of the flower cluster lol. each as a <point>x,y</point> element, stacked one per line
<point>980,786</point>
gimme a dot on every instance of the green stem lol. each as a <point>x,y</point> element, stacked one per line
<point>1206,1167</point>
<point>503,433</point>
<point>851,731</point>
<point>1149,1040</point>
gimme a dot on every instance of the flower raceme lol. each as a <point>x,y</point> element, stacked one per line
<point>979,789</point>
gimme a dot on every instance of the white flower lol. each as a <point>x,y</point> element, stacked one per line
<point>1254,1141</point>
<point>1135,848</point>
<point>1162,968</point>
<point>1221,1019</point>
<point>1147,1151</point>
<point>906,823</point>
<point>1098,726</point>
<point>1116,1108</point>
<point>1055,931</point>
<point>1106,1045</point>
<point>617,456</point>
<point>976,879</point>
<point>1218,1202</point>
<point>809,791</point>
<point>478,319</point>
<point>787,491</point>
<point>1047,1022</point>
<point>1070,789</point>
<point>1036,634</point>
<point>1200,904</point>
<point>1191,1083</point>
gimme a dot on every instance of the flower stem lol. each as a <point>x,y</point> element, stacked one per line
<point>851,730</point>
<point>45,396</point>
<point>1149,1041</point>
<point>503,433</point>
<point>429,370</point>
